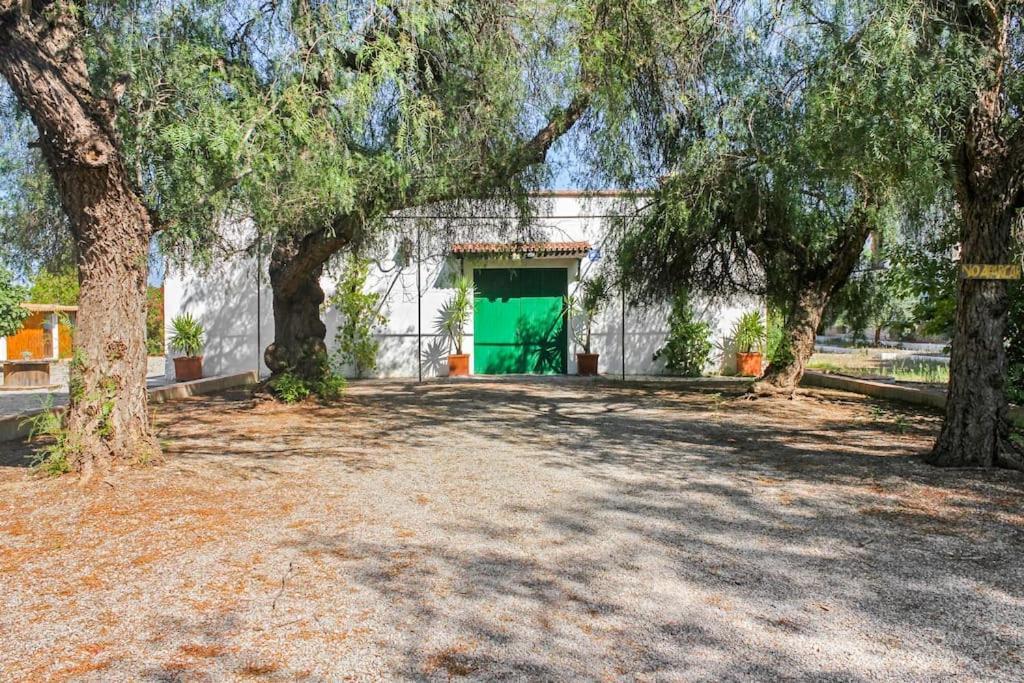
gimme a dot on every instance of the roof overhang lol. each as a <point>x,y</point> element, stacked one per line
<point>522,249</point>
<point>49,308</point>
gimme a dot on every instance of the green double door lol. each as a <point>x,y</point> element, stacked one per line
<point>519,324</point>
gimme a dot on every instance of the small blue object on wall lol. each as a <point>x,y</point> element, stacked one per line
<point>594,254</point>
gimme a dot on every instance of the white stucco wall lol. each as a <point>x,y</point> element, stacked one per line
<point>224,297</point>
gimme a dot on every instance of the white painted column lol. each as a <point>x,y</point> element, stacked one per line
<point>55,337</point>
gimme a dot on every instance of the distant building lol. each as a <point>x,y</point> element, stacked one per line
<point>521,274</point>
<point>46,334</point>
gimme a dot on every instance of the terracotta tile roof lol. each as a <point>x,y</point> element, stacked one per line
<point>536,248</point>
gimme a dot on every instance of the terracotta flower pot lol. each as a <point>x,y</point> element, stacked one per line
<point>458,365</point>
<point>586,364</point>
<point>748,364</point>
<point>188,369</point>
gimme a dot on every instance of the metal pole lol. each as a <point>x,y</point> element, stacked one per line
<point>623,332</point>
<point>419,305</point>
<point>259,304</point>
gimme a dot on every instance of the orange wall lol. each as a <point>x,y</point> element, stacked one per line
<point>31,338</point>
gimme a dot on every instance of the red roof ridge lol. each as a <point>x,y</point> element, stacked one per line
<point>520,247</point>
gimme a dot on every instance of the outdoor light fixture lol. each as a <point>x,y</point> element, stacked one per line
<point>404,255</point>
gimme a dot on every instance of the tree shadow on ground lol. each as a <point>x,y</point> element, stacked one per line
<point>762,530</point>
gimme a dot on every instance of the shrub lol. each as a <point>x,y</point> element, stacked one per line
<point>12,315</point>
<point>359,314</point>
<point>155,321</point>
<point>687,349</point>
<point>187,335</point>
<point>52,459</point>
<point>330,388</point>
<point>290,388</point>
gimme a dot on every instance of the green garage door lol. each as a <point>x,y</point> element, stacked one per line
<point>518,321</point>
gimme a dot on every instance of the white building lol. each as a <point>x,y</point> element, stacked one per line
<point>525,268</point>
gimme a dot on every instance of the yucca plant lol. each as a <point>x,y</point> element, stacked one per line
<point>584,306</point>
<point>749,333</point>
<point>187,335</point>
<point>457,311</point>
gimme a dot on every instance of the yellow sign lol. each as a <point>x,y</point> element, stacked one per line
<point>1008,271</point>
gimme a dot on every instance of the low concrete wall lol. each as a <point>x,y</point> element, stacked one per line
<point>12,428</point>
<point>933,398</point>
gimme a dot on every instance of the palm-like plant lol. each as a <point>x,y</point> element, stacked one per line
<point>584,306</point>
<point>749,333</point>
<point>457,311</point>
<point>187,335</point>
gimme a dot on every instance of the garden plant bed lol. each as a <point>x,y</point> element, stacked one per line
<point>552,529</point>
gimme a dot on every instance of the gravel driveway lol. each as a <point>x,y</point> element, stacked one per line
<point>543,530</point>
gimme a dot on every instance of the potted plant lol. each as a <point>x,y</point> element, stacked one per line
<point>453,321</point>
<point>749,335</point>
<point>187,339</point>
<point>583,308</point>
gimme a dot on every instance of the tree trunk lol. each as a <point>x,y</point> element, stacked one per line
<point>989,183</point>
<point>816,287</point>
<point>299,346</point>
<point>784,373</point>
<point>107,419</point>
<point>976,430</point>
<point>296,265</point>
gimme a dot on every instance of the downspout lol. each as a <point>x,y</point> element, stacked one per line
<point>622,331</point>
<point>419,304</point>
<point>259,305</point>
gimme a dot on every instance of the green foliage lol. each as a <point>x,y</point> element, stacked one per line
<point>877,300</point>
<point>776,343</point>
<point>927,272</point>
<point>823,121</point>
<point>359,311</point>
<point>60,287</point>
<point>34,231</point>
<point>1015,345</point>
<point>12,315</point>
<point>687,349</point>
<point>457,311</point>
<point>330,388</point>
<point>187,335</point>
<point>76,370</point>
<point>749,334</point>
<point>290,388</point>
<point>584,306</point>
<point>155,321</point>
<point>54,458</point>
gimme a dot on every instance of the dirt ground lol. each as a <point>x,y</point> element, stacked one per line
<point>545,530</point>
